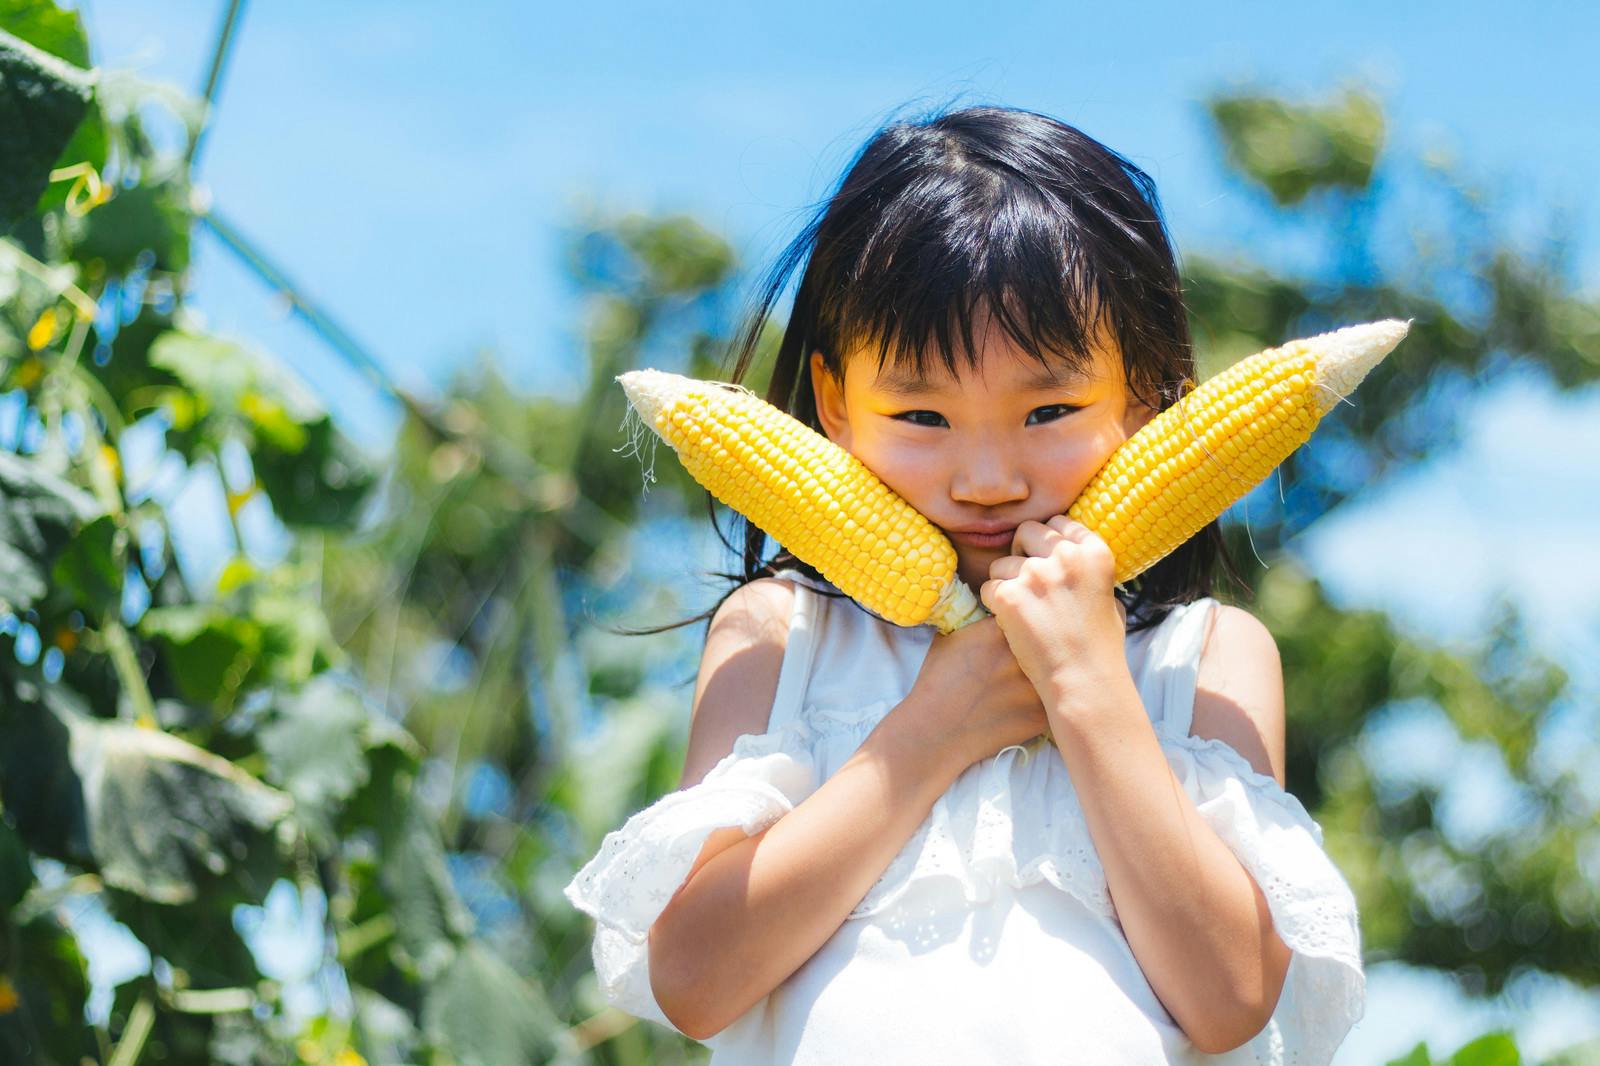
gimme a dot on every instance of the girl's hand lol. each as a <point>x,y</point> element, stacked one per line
<point>1053,600</point>
<point>975,695</point>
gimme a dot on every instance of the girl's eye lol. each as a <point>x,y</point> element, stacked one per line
<point>1060,410</point>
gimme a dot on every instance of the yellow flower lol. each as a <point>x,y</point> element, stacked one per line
<point>109,456</point>
<point>28,374</point>
<point>43,331</point>
<point>9,999</point>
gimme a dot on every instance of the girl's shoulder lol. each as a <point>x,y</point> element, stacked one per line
<point>765,596</point>
<point>1239,691</point>
<point>754,613</point>
<point>746,645</point>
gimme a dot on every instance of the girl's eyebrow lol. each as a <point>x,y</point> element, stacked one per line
<point>1039,380</point>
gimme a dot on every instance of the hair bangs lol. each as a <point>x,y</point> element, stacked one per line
<point>944,262</point>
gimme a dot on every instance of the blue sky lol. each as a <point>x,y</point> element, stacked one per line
<point>411,164</point>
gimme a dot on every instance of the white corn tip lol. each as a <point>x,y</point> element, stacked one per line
<point>1346,355</point>
<point>651,390</point>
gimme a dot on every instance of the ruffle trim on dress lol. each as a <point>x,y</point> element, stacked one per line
<point>641,865</point>
<point>1313,909</point>
<point>629,881</point>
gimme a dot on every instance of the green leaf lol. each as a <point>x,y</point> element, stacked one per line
<point>1491,1049</point>
<point>160,809</point>
<point>313,474</point>
<point>153,813</point>
<point>40,515</point>
<point>606,775</point>
<point>314,744</point>
<point>42,101</point>
<point>295,641</point>
<point>153,215</point>
<point>48,28</point>
<point>1292,149</point>
<point>87,570</point>
<point>392,756</point>
<point>51,985</point>
<point>321,484</point>
<point>215,653</point>
<point>40,788</point>
<point>197,936</point>
<point>215,368</point>
<point>1417,1056</point>
<point>212,652</point>
<point>225,373</point>
<point>487,1015</point>
<point>429,916</point>
<point>16,869</point>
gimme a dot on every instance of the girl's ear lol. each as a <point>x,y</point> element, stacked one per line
<point>831,410</point>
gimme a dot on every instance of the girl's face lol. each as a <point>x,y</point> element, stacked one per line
<point>981,453</point>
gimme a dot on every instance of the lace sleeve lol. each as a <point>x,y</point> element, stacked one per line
<point>1313,908</point>
<point>629,881</point>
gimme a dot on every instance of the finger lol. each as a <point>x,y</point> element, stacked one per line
<point>1070,528</point>
<point>984,591</point>
<point>1034,538</point>
<point>1006,566</point>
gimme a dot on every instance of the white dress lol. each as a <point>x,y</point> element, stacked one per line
<point>991,937</point>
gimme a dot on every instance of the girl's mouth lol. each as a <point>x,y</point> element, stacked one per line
<point>1001,539</point>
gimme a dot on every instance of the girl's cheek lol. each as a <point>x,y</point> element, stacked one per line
<point>1060,472</point>
<point>1083,460</point>
<point>912,471</point>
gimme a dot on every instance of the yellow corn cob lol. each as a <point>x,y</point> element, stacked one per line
<point>1166,482</point>
<point>812,496</point>
<point>1192,461</point>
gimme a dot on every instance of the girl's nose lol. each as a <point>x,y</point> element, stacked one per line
<point>984,477</point>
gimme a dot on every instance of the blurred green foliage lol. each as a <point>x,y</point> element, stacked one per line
<point>422,716</point>
<point>1293,149</point>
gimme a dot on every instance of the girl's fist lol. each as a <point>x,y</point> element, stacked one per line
<point>979,698</point>
<point>1054,601</point>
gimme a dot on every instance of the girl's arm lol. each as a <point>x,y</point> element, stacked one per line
<point>735,687</point>
<point>757,910</point>
<point>1196,920</point>
<point>738,677</point>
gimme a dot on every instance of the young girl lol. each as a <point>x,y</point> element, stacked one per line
<point>873,856</point>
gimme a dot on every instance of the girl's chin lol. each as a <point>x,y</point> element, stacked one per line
<point>976,571</point>
<point>980,555</point>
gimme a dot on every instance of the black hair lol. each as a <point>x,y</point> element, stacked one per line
<point>990,209</point>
